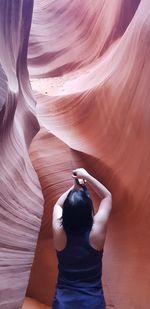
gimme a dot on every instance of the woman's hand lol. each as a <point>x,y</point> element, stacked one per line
<point>80,173</point>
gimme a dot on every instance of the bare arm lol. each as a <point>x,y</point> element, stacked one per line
<point>59,236</point>
<point>58,208</point>
<point>62,198</point>
<point>98,187</point>
<point>105,206</point>
<point>103,213</point>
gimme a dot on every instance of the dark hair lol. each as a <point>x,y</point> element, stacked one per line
<point>78,210</point>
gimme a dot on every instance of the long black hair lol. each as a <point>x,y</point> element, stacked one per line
<point>78,210</point>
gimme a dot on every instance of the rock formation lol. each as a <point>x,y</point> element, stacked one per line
<point>21,198</point>
<point>89,69</point>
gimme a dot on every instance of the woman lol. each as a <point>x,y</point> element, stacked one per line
<point>79,237</point>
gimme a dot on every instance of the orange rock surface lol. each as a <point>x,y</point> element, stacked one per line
<point>89,68</point>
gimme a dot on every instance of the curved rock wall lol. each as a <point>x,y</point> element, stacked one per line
<point>20,193</point>
<point>66,35</point>
<point>89,65</point>
<point>99,108</point>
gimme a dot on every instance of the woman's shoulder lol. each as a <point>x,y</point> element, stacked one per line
<point>96,241</point>
<point>59,239</point>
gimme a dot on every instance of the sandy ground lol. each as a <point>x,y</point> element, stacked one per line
<point>30,303</point>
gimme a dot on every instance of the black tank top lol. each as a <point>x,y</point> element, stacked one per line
<point>79,264</point>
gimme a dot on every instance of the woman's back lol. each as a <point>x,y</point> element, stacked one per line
<point>79,264</point>
<point>79,277</point>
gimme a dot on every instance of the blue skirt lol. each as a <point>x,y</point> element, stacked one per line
<point>78,299</point>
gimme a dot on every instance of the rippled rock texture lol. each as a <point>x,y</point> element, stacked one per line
<point>21,198</point>
<point>89,68</point>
